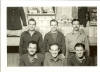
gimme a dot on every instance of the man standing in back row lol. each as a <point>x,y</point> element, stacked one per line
<point>54,36</point>
<point>30,35</point>
<point>76,36</point>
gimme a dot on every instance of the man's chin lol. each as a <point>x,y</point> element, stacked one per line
<point>31,54</point>
<point>31,29</point>
<point>80,56</point>
<point>54,56</point>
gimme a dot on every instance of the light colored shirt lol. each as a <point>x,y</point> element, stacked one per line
<point>73,38</point>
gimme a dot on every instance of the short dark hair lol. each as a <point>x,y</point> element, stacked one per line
<point>75,20</point>
<point>54,44</point>
<point>33,42</point>
<point>32,19</point>
<point>53,20</point>
<point>79,45</point>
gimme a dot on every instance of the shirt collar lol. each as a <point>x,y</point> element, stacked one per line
<point>35,56</point>
<point>81,59</point>
<point>57,59</point>
<point>28,31</point>
<point>79,32</point>
<point>55,32</point>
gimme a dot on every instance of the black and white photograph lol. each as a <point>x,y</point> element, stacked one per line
<point>51,36</point>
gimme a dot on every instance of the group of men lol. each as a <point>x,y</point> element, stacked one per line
<point>54,49</point>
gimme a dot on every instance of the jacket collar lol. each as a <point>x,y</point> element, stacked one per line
<point>34,31</point>
<point>81,60</point>
<point>79,32</point>
<point>34,57</point>
<point>57,59</point>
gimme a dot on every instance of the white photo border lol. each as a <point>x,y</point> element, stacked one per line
<point>14,3</point>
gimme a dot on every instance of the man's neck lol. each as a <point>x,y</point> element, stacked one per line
<point>32,32</point>
<point>76,31</point>
<point>55,58</point>
<point>31,55</point>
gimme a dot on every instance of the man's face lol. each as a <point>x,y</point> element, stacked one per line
<point>76,25</point>
<point>32,49</point>
<point>79,52</point>
<point>53,26</point>
<point>31,25</point>
<point>54,51</point>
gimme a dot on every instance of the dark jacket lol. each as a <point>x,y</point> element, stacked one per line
<point>60,39</point>
<point>26,37</point>
<point>37,60</point>
<point>73,61</point>
<point>14,17</point>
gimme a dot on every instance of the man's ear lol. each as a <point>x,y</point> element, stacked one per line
<point>27,48</point>
<point>58,50</point>
<point>84,51</point>
<point>49,50</point>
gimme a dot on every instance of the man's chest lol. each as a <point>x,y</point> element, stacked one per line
<point>76,39</point>
<point>29,37</point>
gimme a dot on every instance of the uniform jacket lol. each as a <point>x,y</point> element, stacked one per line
<point>60,39</point>
<point>37,60</point>
<point>73,61</point>
<point>26,37</point>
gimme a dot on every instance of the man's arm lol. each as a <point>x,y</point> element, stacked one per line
<point>69,62</point>
<point>63,45</point>
<point>46,60</point>
<point>87,46</point>
<point>67,45</point>
<point>21,62</point>
<point>21,45</point>
<point>45,42</point>
<point>41,48</point>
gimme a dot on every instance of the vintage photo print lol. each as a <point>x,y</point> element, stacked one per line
<point>51,36</point>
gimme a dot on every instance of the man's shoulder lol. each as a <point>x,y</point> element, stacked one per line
<point>23,33</point>
<point>60,33</point>
<point>47,34</point>
<point>24,56</point>
<point>40,55</point>
<point>38,33</point>
<point>68,35</point>
<point>47,54</point>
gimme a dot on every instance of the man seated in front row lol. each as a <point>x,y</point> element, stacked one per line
<point>53,58</point>
<point>79,58</point>
<point>32,58</point>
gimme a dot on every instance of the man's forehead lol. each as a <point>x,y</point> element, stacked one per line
<point>32,44</point>
<point>79,47</point>
<point>54,47</point>
<point>31,22</point>
<point>75,21</point>
<point>53,22</point>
